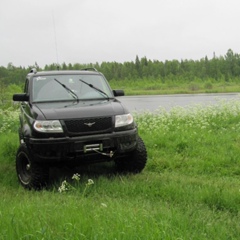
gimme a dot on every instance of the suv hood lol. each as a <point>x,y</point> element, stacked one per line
<point>81,109</point>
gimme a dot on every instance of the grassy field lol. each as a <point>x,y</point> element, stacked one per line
<point>153,87</point>
<point>190,188</point>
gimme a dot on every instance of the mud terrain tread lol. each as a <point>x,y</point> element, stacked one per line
<point>136,160</point>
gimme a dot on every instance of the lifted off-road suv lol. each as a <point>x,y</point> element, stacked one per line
<point>73,117</point>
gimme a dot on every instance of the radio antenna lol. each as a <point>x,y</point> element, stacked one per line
<point>55,38</point>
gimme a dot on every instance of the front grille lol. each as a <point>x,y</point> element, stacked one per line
<point>89,125</point>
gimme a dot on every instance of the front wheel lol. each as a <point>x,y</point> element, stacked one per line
<point>135,161</point>
<point>30,174</point>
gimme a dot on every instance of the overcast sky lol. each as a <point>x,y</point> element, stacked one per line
<point>89,31</point>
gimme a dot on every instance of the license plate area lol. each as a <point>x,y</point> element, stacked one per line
<point>93,147</point>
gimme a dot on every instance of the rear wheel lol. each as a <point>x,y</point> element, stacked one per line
<point>30,174</point>
<point>135,161</point>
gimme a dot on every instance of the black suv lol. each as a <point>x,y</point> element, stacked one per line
<point>73,117</point>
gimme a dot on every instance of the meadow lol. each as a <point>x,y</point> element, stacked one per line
<point>158,87</point>
<point>190,188</point>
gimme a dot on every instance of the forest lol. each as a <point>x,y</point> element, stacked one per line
<point>222,69</point>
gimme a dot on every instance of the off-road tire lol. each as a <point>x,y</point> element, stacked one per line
<point>31,175</point>
<point>135,161</point>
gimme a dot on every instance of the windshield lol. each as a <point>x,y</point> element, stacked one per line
<point>70,87</point>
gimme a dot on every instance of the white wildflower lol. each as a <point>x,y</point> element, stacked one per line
<point>90,182</point>
<point>63,187</point>
<point>76,176</point>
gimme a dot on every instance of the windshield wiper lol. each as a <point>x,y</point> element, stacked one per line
<point>73,94</point>
<point>97,89</point>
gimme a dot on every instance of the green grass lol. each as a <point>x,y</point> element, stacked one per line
<point>159,87</point>
<point>190,188</point>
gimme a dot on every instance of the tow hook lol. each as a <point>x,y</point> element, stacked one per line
<point>110,154</point>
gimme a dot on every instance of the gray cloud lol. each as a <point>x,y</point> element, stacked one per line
<point>95,31</point>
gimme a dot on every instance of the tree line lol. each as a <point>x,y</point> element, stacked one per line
<point>222,68</point>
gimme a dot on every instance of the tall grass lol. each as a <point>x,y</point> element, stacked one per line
<point>206,137</point>
<point>190,188</point>
<point>8,120</point>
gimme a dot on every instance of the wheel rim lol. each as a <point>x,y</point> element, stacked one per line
<point>24,168</point>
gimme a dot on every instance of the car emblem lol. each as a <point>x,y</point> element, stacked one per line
<point>89,124</point>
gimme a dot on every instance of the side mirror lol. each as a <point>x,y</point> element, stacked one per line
<point>118,93</point>
<point>21,97</point>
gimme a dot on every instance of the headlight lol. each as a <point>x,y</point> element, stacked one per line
<point>123,120</point>
<point>48,126</point>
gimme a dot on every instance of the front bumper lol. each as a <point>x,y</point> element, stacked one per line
<point>113,145</point>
